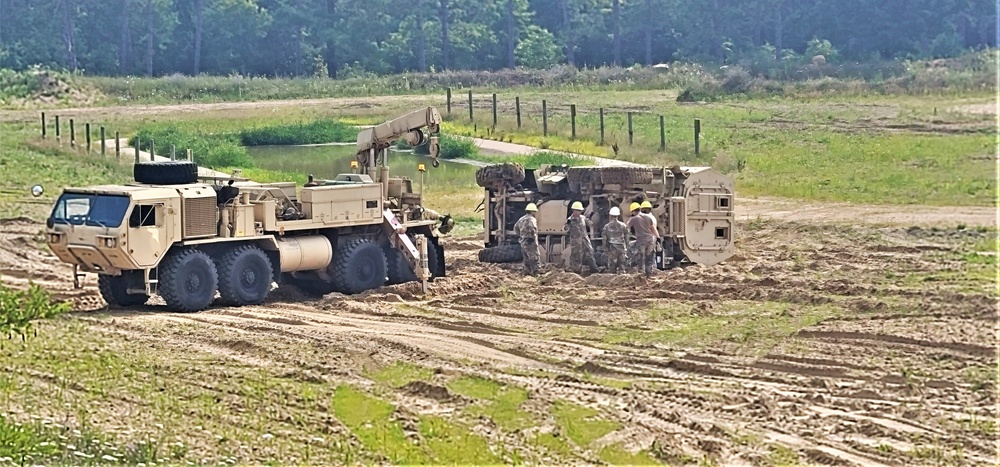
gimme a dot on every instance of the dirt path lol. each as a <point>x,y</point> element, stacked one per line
<point>488,146</point>
<point>866,360</point>
<point>848,213</point>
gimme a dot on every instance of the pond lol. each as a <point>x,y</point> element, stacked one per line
<point>325,162</point>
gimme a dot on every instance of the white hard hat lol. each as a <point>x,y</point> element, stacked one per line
<point>615,211</point>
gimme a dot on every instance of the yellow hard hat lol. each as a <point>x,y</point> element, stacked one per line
<point>531,208</point>
<point>633,207</point>
<point>577,206</point>
<point>646,205</point>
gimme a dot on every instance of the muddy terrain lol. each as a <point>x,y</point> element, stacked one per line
<point>817,343</point>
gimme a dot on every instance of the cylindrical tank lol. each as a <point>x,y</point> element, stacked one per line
<point>307,253</point>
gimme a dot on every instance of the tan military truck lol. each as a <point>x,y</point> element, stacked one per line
<point>187,239</point>
<point>693,207</point>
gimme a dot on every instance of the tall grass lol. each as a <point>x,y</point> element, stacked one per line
<point>319,131</point>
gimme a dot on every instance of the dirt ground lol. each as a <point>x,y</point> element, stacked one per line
<point>824,343</point>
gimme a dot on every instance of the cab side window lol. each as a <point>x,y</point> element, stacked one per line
<point>143,216</point>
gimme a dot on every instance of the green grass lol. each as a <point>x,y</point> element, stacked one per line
<point>580,424</point>
<point>501,403</point>
<point>50,442</point>
<point>18,308</point>
<point>314,132</point>
<point>400,374</point>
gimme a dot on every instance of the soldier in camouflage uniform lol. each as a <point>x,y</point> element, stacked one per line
<point>582,249</point>
<point>614,233</point>
<point>646,238</point>
<point>526,230</point>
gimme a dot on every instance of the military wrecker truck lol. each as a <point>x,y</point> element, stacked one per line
<point>693,207</point>
<point>187,238</point>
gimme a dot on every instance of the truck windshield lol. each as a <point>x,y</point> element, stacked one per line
<point>89,209</point>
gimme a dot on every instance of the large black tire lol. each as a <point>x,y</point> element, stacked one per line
<point>357,266</point>
<point>165,172</point>
<point>507,172</point>
<point>501,254</point>
<point>610,175</point>
<point>399,270</point>
<point>245,276</point>
<point>114,290</point>
<point>188,280</point>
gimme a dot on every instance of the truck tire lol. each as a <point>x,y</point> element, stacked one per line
<point>491,175</point>
<point>610,175</point>
<point>501,254</point>
<point>358,266</point>
<point>165,172</point>
<point>245,276</point>
<point>399,270</point>
<point>114,290</point>
<point>188,280</point>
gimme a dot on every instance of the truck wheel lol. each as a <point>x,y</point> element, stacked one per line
<point>399,268</point>
<point>610,175</point>
<point>491,175</point>
<point>165,172</point>
<point>188,280</point>
<point>358,266</point>
<point>114,290</point>
<point>501,254</point>
<point>245,276</point>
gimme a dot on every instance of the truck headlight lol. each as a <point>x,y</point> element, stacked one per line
<point>110,242</point>
<point>55,237</point>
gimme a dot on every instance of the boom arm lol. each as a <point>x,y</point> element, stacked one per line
<point>380,137</point>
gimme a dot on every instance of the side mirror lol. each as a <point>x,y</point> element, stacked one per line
<point>37,191</point>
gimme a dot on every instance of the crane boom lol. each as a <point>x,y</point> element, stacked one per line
<point>380,137</point>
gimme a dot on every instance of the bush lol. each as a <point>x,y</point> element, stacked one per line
<point>452,147</point>
<point>18,308</point>
<point>319,131</point>
<point>209,150</point>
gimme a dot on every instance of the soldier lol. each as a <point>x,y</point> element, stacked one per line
<point>614,233</point>
<point>646,238</point>
<point>633,250</point>
<point>579,240</point>
<point>526,230</point>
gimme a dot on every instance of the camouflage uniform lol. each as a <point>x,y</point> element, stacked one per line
<point>582,249</point>
<point>646,236</point>
<point>526,230</point>
<point>614,233</point>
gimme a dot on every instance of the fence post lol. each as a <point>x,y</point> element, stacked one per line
<point>697,136</point>
<point>470,105</point>
<point>138,144</point>
<point>152,150</point>
<point>43,124</point>
<point>545,120</point>
<point>118,145</point>
<point>630,128</point>
<point>572,121</point>
<point>87,127</point>
<point>104,144</point>
<point>663,135</point>
<point>58,135</point>
<point>173,157</point>
<point>517,110</point>
<point>494,110</point>
<point>72,134</point>
<point>600,112</point>
<point>449,101</point>
<point>189,155</point>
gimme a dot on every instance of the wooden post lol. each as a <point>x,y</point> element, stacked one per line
<point>663,135</point>
<point>572,121</point>
<point>118,145</point>
<point>600,112</point>
<point>630,128</point>
<point>494,110</point>
<point>173,156</point>
<point>138,144</point>
<point>104,144</point>
<point>152,150</point>
<point>697,136</point>
<point>470,105</point>
<point>43,124</point>
<point>517,110</point>
<point>58,136</point>
<point>87,127</point>
<point>189,155</point>
<point>72,134</point>
<point>449,100</point>
<point>545,120</point>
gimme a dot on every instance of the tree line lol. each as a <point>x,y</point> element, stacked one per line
<point>349,37</point>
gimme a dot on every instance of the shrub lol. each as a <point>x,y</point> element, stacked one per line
<point>452,147</point>
<point>18,308</point>
<point>209,150</point>
<point>319,131</point>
